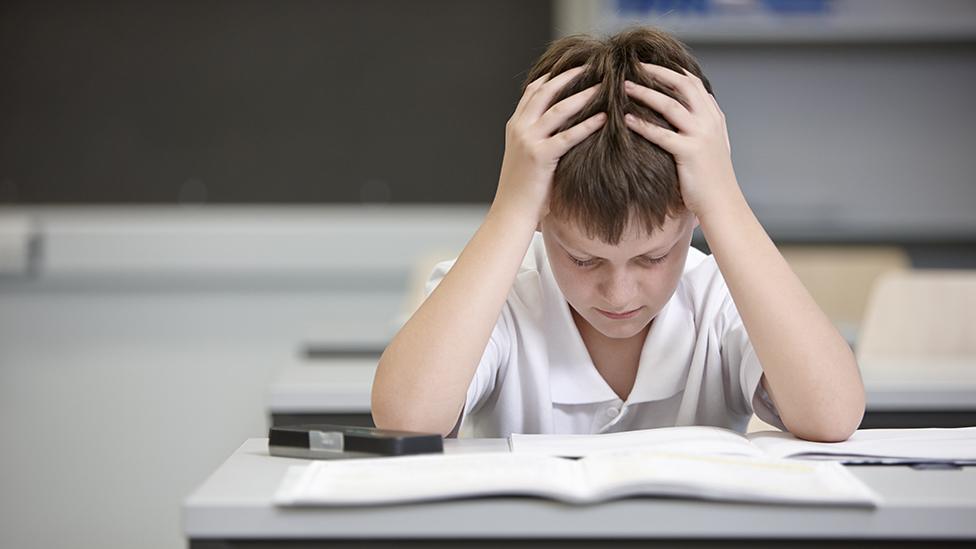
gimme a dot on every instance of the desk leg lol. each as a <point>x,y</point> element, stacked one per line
<point>357,420</point>
<point>915,419</point>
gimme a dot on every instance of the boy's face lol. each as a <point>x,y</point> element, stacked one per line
<point>636,277</point>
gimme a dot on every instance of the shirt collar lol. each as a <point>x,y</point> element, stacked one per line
<point>664,360</point>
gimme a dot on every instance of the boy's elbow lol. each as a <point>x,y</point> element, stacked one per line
<point>846,424</point>
<point>383,418</point>
<point>395,406</point>
<point>405,423</point>
<point>827,434</point>
<point>831,428</point>
<point>384,411</point>
<point>395,418</point>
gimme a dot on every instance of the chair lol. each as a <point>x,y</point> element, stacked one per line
<point>921,315</point>
<point>917,351</point>
<point>840,278</point>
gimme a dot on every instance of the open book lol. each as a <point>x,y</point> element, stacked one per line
<point>594,478</point>
<point>887,446</point>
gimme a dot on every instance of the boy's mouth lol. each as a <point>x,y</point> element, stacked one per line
<point>619,316</point>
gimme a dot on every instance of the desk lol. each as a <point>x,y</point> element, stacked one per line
<point>910,392</point>
<point>336,389</point>
<point>234,505</point>
<point>331,390</point>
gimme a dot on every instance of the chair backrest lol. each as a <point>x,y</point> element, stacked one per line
<point>921,313</point>
<point>840,278</point>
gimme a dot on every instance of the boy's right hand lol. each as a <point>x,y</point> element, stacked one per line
<point>532,148</point>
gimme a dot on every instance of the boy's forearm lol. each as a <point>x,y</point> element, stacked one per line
<point>811,372</point>
<point>423,375</point>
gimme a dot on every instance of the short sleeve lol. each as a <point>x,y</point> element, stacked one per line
<point>739,358</point>
<point>495,354</point>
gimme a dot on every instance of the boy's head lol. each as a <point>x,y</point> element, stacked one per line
<point>615,173</point>
<point>616,196</point>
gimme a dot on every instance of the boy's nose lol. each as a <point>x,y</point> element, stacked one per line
<point>620,292</point>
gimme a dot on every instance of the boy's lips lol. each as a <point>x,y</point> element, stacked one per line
<point>619,316</point>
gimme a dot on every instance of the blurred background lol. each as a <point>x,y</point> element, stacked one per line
<point>214,215</point>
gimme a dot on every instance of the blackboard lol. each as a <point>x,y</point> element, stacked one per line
<point>289,101</point>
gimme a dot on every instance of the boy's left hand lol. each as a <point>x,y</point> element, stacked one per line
<point>701,149</point>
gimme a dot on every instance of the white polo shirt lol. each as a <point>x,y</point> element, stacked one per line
<point>697,366</point>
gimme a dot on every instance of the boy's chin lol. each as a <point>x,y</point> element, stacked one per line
<point>620,329</point>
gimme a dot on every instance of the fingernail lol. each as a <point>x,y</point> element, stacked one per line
<point>628,117</point>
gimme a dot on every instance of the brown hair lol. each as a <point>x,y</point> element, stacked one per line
<point>615,173</point>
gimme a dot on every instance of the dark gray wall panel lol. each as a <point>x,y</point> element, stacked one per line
<point>259,101</point>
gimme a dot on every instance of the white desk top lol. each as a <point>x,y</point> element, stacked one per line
<point>911,384</point>
<point>343,386</point>
<point>235,502</point>
<point>323,386</point>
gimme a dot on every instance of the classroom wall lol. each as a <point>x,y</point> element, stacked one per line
<point>852,141</point>
<point>249,101</point>
<point>352,102</point>
<point>137,353</point>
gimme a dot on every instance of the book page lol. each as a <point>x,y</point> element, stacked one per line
<point>695,439</point>
<point>877,446</point>
<point>427,477</point>
<point>601,476</point>
<point>723,477</point>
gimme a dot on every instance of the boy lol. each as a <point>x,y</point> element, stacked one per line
<point>609,320</point>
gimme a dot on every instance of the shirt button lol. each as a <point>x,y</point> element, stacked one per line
<point>613,411</point>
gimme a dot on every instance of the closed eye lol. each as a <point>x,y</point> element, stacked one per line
<point>583,262</point>
<point>591,262</point>
<point>654,259</point>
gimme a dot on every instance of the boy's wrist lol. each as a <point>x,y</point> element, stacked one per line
<point>518,214</point>
<point>723,199</point>
<point>726,217</point>
<point>518,207</point>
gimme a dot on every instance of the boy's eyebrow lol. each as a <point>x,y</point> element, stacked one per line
<point>594,256</point>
